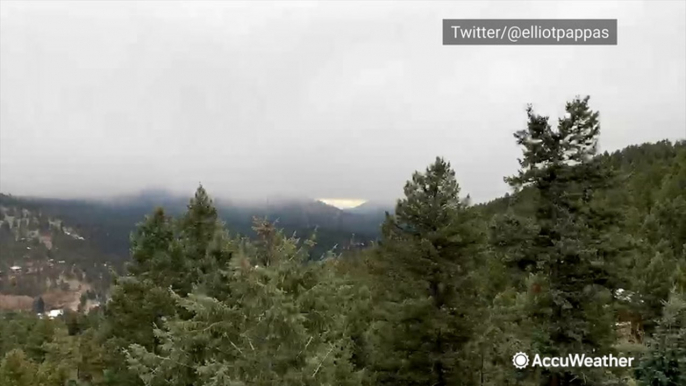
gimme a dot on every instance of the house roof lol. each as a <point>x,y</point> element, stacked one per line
<point>55,313</point>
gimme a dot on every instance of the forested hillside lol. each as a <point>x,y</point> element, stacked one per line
<point>586,256</point>
<point>109,223</point>
<point>44,260</point>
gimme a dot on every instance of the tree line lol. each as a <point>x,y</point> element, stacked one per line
<point>586,256</point>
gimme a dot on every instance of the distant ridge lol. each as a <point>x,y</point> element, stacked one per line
<point>108,222</point>
<point>371,207</point>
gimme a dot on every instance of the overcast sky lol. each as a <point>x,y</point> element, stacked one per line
<point>323,99</point>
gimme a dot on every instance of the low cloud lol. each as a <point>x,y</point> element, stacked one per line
<point>323,100</point>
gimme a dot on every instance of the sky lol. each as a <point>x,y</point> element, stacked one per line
<point>338,100</point>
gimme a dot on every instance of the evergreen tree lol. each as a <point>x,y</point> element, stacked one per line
<point>150,249</point>
<point>140,300</point>
<point>281,324</point>
<point>426,253</point>
<point>571,255</point>
<point>665,362</point>
<point>16,369</point>
<point>202,240</point>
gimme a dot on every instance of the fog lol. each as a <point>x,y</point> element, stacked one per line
<point>319,99</point>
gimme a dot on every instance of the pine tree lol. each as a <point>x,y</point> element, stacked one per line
<point>426,254</point>
<point>16,369</point>
<point>150,249</point>
<point>665,362</point>
<point>202,241</point>
<point>282,323</point>
<point>140,300</point>
<point>199,224</point>
<point>572,255</point>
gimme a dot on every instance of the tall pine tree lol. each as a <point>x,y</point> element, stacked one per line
<point>572,254</point>
<point>425,256</point>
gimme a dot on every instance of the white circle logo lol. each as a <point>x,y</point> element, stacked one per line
<point>520,360</point>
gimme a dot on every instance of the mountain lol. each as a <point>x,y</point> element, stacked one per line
<point>370,212</point>
<point>62,250</point>
<point>372,208</point>
<point>109,223</point>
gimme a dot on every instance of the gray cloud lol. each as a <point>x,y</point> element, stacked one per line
<point>325,99</point>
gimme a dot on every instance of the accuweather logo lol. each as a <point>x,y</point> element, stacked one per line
<point>521,360</point>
